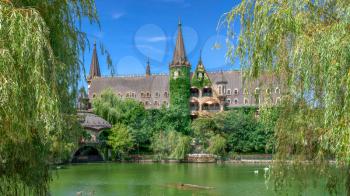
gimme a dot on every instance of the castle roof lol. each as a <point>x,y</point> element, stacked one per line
<point>179,57</point>
<point>154,83</point>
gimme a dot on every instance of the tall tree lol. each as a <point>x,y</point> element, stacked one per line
<point>40,45</point>
<point>306,45</point>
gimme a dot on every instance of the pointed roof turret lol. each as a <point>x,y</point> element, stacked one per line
<point>223,79</point>
<point>94,66</point>
<point>179,57</point>
<point>148,69</point>
<point>200,62</point>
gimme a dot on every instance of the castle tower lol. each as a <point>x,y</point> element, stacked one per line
<point>148,69</point>
<point>180,75</point>
<point>94,67</point>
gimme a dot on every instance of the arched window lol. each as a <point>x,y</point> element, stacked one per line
<point>236,91</point>
<point>228,101</point>
<point>220,90</point>
<point>200,75</point>
<point>246,102</point>
<point>176,74</point>
<point>236,101</point>
<point>278,100</point>
<point>147,103</point>
<point>277,90</point>
<point>157,94</point>
<point>133,94</point>
<point>268,91</point>
<point>228,91</point>
<point>142,95</point>
<point>148,94</point>
<point>257,91</point>
<point>156,103</point>
<point>166,94</point>
<point>245,91</point>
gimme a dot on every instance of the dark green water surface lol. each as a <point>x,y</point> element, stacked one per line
<point>164,179</point>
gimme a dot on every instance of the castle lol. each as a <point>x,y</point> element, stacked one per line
<point>200,92</point>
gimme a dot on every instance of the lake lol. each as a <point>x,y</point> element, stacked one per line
<point>164,179</point>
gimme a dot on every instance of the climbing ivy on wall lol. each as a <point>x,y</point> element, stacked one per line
<point>180,91</point>
<point>200,82</point>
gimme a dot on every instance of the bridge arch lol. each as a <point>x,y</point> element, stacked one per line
<point>87,153</point>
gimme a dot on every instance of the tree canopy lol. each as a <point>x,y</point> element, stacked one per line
<point>305,45</point>
<point>40,45</point>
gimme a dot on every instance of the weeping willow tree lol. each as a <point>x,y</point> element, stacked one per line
<point>40,45</point>
<point>305,44</point>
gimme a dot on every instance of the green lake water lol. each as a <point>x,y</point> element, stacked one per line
<point>164,179</point>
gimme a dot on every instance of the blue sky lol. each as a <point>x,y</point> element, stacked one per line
<point>133,30</point>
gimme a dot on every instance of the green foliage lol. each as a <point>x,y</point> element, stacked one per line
<point>120,139</point>
<point>200,82</point>
<point>170,144</point>
<point>217,145</point>
<point>241,129</point>
<point>128,112</point>
<point>203,129</point>
<point>180,88</point>
<point>40,46</point>
<point>306,44</point>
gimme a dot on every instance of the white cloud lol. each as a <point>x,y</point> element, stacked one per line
<point>154,39</point>
<point>118,15</point>
<point>151,48</point>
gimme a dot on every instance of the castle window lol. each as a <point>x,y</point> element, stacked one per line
<point>200,75</point>
<point>157,94</point>
<point>246,91</point>
<point>142,95</point>
<point>220,90</point>
<point>257,91</point>
<point>166,94</point>
<point>176,74</point>
<point>147,103</point>
<point>156,103</point>
<point>278,100</point>
<point>236,101</point>
<point>277,91</point>
<point>268,91</point>
<point>246,102</point>
<point>207,92</point>
<point>228,91</point>
<point>148,94</point>
<point>194,92</point>
<point>236,91</point>
<point>228,101</point>
<point>133,94</point>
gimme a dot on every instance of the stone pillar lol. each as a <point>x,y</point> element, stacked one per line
<point>200,92</point>
<point>200,107</point>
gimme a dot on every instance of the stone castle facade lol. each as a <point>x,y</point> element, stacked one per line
<point>200,91</point>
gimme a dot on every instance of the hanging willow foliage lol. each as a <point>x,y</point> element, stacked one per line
<point>40,45</point>
<point>306,44</point>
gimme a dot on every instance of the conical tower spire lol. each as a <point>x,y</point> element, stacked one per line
<point>148,69</point>
<point>200,62</point>
<point>179,57</point>
<point>94,66</point>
